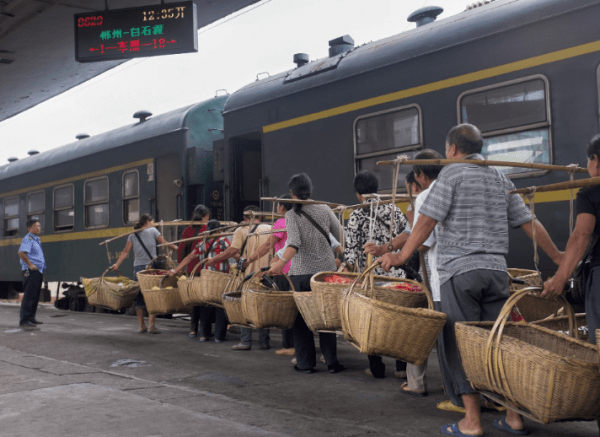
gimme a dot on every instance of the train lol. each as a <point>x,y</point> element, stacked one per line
<point>526,72</point>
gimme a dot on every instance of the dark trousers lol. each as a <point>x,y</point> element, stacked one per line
<point>446,376</point>
<point>474,296</point>
<point>592,306</point>
<point>287,335</point>
<point>195,318</point>
<point>378,368</point>
<point>207,315</point>
<point>304,340</point>
<point>32,284</point>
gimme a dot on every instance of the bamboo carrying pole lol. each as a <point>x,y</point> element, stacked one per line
<point>176,223</point>
<point>485,162</point>
<point>224,234</point>
<point>581,183</point>
<point>304,202</point>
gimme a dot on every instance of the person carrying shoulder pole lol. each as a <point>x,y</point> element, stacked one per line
<point>33,265</point>
<point>474,210</point>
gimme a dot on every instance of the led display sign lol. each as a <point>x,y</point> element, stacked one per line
<point>122,34</point>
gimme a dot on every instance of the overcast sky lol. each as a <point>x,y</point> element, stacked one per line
<point>261,38</point>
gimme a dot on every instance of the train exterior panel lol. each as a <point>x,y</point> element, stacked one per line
<point>97,188</point>
<point>525,72</point>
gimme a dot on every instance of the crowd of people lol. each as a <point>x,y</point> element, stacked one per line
<point>459,220</point>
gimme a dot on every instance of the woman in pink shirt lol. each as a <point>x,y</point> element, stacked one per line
<point>277,241</point>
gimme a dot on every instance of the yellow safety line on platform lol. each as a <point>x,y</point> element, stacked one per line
<point>72,236</point>
<point>440,85</point>
<point>83,176</point>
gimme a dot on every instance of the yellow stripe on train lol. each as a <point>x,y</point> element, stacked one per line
<point>72,236</point>
<point>548,58</point>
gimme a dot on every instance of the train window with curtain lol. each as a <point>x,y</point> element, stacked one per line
<point>11,217</point>
<point>383,136</point>
<point>514,119</point>
<point>36,207</point>
<point>131,197</point>
<point>95,203</point>
<point>64,208</point>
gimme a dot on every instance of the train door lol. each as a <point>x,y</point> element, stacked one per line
<point>168,192</point>
<point>246,173</point>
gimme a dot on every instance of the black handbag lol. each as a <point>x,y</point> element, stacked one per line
<point>578,282</point>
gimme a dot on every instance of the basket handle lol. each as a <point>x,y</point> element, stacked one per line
<point>371,283</point>
<point>200,264</point>
<point>111,270</point>
<point>495,373</point>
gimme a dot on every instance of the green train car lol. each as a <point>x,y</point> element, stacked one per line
<point>97,187</point>
<point>526,72</point>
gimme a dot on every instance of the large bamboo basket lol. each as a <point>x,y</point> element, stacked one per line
<point>540,373</point>
<point>232,298</point>
<point>210,287</point>
<point>321,307</point>
<point>533,307</point>
<point>147,281</point>
<point>561,324</point>
<point>377,327</point>
<point>264,308</point>
<point>188,287</point>
<point>113,293</point>
<point>165,300</point>
<point>311,311</point>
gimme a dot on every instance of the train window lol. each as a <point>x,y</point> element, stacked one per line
<point>95,202</point>
<point>11,217</point>
<point>384,135</point>
<point>131,197</point>
<point>514,119</point>
<point>36,205</point>
<point>64,208</point>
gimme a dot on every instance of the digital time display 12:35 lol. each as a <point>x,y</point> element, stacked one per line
<point>122,34</point>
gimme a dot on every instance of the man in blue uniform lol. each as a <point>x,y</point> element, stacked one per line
<point>33,265</point>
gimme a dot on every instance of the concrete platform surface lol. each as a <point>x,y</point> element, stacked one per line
<point>92,374</point>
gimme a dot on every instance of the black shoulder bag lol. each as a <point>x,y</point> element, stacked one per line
<point>316,225</point>
<point>579,279</point>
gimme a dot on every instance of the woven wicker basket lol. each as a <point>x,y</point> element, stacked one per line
<point>113,293</point>
<point>265,308</point>
<point>147,281</point>
<point>376,327</point>
<point>232,300</point>
<point>189,285</point>
<point>311,311</point>
<point>531,278</point>
<point>561,324</point>
<point>322,306</point>
<point>533,307</point>
<point>547,375</point>
<point>165,300</point>
<point>209,288</point>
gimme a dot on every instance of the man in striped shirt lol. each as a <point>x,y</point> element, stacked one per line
<point>471,205</point>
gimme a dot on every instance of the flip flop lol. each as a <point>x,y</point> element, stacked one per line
<point>455,431</point>
<point>501,424</point>
<point>403,389</point>
<point>447,405</point>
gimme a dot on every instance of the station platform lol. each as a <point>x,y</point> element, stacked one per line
<point>92,374</point>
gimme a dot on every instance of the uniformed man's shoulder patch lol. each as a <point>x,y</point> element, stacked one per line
<point>30,237</point>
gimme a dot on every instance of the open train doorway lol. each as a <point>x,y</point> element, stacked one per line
<point>246,181</point>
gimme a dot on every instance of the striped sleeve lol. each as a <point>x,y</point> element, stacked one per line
<point>439,201</point>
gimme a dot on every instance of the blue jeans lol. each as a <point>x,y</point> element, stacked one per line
<point>139,297</point>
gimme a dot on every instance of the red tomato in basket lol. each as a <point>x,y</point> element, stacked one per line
<point>337,279</point>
